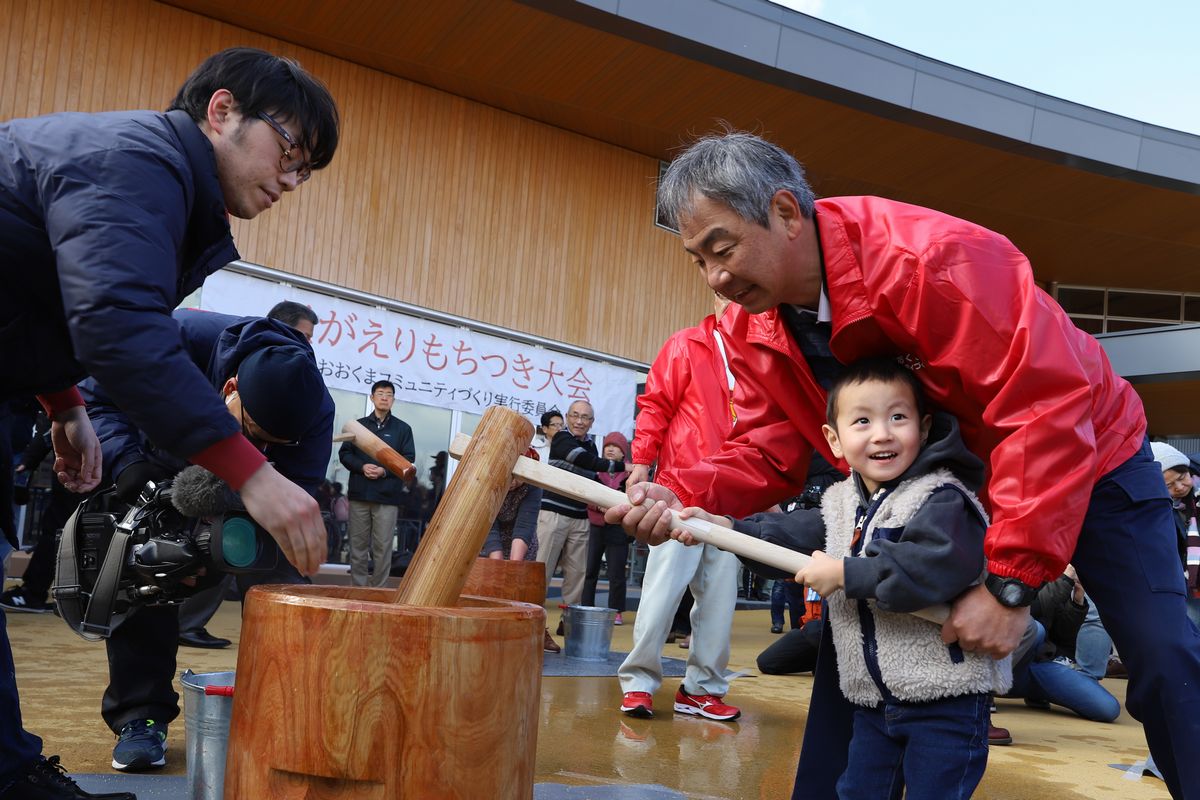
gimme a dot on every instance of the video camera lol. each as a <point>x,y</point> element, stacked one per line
<point>114,558</point>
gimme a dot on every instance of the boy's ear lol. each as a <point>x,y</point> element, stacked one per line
<point>926,424</point>
<point>834,444</point>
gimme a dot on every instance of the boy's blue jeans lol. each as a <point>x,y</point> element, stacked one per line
<point>923,751</point>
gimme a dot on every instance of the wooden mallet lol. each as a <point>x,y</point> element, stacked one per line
<point>455,535</point>
<point>585,490</point>
<point>377,449</point>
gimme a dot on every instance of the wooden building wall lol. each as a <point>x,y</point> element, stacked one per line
<point>432,199</point>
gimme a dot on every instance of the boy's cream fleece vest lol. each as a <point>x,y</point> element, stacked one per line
<point>915,665</point>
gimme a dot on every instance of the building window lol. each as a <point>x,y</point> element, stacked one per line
<point>660,219</point>
<point>1096,309</point>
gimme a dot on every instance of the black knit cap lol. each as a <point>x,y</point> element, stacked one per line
<point>281,389</point>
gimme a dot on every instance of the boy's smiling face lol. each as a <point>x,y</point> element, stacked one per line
<point>879,432</point>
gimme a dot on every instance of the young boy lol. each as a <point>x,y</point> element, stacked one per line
<point>902,533</point>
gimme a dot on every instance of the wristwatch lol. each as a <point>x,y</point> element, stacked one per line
<point>1010,592</point>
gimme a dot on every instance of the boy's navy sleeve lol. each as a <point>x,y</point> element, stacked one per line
<point>937,556</point>
<point>803,531</point>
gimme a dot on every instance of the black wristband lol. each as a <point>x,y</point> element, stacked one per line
<point>1010,592</point>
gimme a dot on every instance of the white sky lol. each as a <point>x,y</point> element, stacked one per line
<point>1140,60</point>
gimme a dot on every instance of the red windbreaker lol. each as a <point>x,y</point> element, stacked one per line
<point>1034,395</point>
<point>685,412</point>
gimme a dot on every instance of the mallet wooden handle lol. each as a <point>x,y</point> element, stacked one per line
<point>377,449</point>
<point>585,490</point>
<point>439,569</point>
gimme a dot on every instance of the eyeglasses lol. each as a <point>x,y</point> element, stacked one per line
<point>581,417</point>
<point>287,161</point>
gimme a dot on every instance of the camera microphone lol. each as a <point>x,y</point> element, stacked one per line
<point>196,492</point>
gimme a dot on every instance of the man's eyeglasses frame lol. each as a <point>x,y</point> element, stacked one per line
<point>288,162</point>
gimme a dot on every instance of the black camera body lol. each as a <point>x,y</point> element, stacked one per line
<point>113,558</point>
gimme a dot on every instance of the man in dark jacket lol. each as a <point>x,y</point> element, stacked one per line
<point>107,221</point>
<point>268,376</point>
<point>375,494</point>
<point>562,522</point>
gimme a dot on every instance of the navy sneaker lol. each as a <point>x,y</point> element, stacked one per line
<point>17,600</point>
<point>142,745</point>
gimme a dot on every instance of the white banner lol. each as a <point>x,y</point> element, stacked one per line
<point>435,364</point>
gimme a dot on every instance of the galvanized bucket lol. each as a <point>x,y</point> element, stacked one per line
<point>207,709</point>
<point>588,632</point>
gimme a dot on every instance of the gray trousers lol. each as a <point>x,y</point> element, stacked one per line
<point>372,531</point>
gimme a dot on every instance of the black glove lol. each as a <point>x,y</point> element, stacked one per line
<point>134,478</point>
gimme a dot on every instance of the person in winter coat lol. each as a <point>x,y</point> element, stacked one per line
<point>904,532</point>
<point>267,374</point>
<point>608,542</point>
<point>562,526</point>
<point>550,423</point>
<point>823,283</point>
<point>376,494</point>
<point>109,220</point>
<point>1185,496</point>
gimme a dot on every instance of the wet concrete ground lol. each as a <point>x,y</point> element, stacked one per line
<point>587,748</point>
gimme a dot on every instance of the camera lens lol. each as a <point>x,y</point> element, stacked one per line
<point>239,544</point>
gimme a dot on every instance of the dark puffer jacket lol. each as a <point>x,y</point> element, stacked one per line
<point>107,221</point>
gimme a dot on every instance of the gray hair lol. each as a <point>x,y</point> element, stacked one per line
<point>739,169</point>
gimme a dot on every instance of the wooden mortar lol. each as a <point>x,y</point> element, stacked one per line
<point>347,693</point>
<point>342,694</point>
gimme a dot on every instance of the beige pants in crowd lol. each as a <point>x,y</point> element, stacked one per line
<point>564,539</point>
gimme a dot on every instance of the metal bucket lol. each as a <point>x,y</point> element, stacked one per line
<point>207,709</point>
<point>588,632</point>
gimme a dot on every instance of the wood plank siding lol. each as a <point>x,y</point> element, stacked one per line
<point>433,199</point>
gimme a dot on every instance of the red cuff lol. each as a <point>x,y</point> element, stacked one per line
<point>685,497</point>
<point>57,402</point>
<point>233,460</point>
<point>1028,577</point>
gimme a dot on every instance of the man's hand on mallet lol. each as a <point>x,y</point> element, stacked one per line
<point>373,472</point>
<point>289,514</point>
<point>645,517</point>
<point>979,623</point>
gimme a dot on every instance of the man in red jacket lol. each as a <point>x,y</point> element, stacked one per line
<point>1071,478</point>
